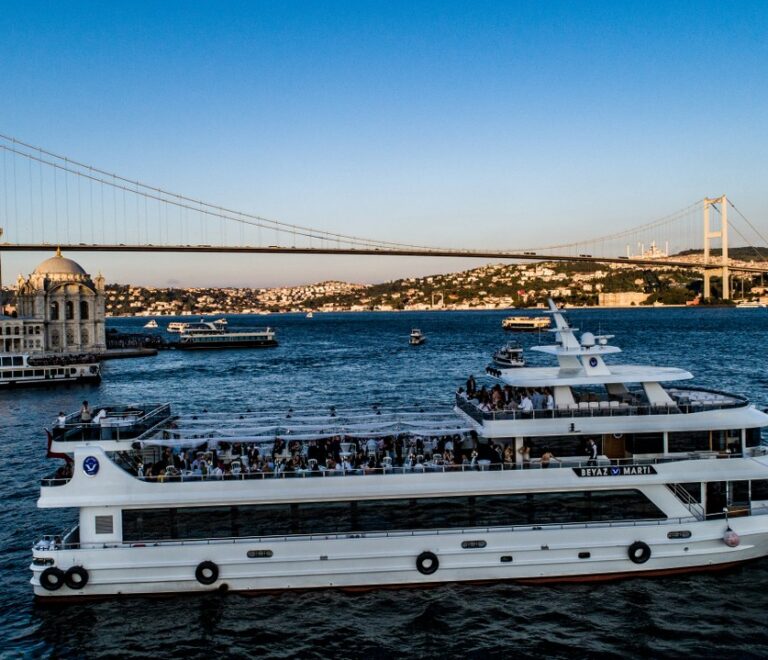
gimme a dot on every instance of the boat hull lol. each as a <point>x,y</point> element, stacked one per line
<point>367,561</point>
<point>267,343</point>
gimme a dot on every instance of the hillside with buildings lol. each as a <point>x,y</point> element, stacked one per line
<point>494,286</point>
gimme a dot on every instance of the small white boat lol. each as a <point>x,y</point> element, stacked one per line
<point>221,321</point>
<point>509,355</point>
<point>749,304</point>
<point>151,324</point>
<point>416,338</point>
<point>177,326</point>
<point>310,315</point>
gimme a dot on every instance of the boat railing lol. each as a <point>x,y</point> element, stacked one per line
<point>174,475</point>
<point>603,408</point>
<point>121,423</point>
<point>691,503</point>
<point>57,542</point>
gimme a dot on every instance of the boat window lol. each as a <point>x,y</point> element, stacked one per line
<point>693,489</point>
<point>754,437</point>
<point>760,489</point>
<point>386,515</point>
<point>17,360</point>
<point>683,441</point>
<point>562,445</point>
<point>645,443</point>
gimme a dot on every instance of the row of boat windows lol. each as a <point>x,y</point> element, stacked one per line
<point>650,443</point>
<point>37,373</point>
<point>739,491</point>
<point>386,515</point>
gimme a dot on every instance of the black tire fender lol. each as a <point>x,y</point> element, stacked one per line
<point>52,578</point>
<point>639,552</point>
<point>427,563</point>
<point>76,577</point>
<point>207,572</point>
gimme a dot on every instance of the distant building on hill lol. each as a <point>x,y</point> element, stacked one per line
<point>622,299</point>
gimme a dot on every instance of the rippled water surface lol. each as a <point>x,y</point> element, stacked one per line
<point>359,359</point>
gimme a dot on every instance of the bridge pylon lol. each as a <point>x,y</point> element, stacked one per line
<point>722,233</point>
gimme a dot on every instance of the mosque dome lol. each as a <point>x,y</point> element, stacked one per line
<point>59,265</point>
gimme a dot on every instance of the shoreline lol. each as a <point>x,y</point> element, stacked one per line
<point>507,310</point>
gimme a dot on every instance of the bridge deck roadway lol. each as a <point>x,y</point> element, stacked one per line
<point>363,251</point>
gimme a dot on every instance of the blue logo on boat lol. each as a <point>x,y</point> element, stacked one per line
<point>615,470</point>
<point>593,362</point>
<point>91,465</point>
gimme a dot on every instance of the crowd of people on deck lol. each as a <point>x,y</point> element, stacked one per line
<point>336,455</point>
<point>509,398</point>
<point>61,360</point>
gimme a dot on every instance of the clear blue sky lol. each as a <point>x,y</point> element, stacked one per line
<point>475,124</point>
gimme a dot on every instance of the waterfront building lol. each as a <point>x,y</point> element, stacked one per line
<point>60,310</point>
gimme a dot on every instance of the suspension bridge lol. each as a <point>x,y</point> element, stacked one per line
<point>50,200</point>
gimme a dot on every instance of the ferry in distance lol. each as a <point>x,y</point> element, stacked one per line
<point>586,470</point>
<point>18,369</point>
<point>525,323</point>
<point>176,326</point>
<point>210,334</point>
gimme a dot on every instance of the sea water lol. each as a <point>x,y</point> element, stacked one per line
<point>358,359</point>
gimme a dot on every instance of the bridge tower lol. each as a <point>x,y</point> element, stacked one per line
<point>722,234</point>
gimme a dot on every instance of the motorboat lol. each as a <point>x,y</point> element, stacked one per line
<point>176,326</point>
<point>151,324</point>
<point>509,355</point>
<point>416,337</point>
<point>525,323</point>
<point>586,470</point>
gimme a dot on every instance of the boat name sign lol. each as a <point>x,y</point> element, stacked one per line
<point>614,471</point>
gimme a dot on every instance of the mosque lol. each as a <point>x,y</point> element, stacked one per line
<point>60,309</point>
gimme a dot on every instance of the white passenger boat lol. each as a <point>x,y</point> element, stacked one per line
<point>416,337</point>
<point>207,334</point>
<point>749,304</point>
<point>176,326</point>
<point>509,355</point>
<point>525,323</point>
<point>642,478</point>
<point>17,369</point>
<point>151,324</point>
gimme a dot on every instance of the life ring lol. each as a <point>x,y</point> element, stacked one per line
<point>76,577</point>
<point>207,572</point>
<point>639,552</point>
<point>427,563</point>
<point>52,578</point>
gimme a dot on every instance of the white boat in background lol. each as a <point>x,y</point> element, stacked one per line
<point>581,471</point>
<point>525,323</point>
<point>176,326</point>
<point>750,304</point>
<point>151,324</point>
<point>416,337</point>
<point>18,369</point>
<point>221,321</point>
<point>310,314</point>
<point>509,355</point>
<point>210,334</point>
